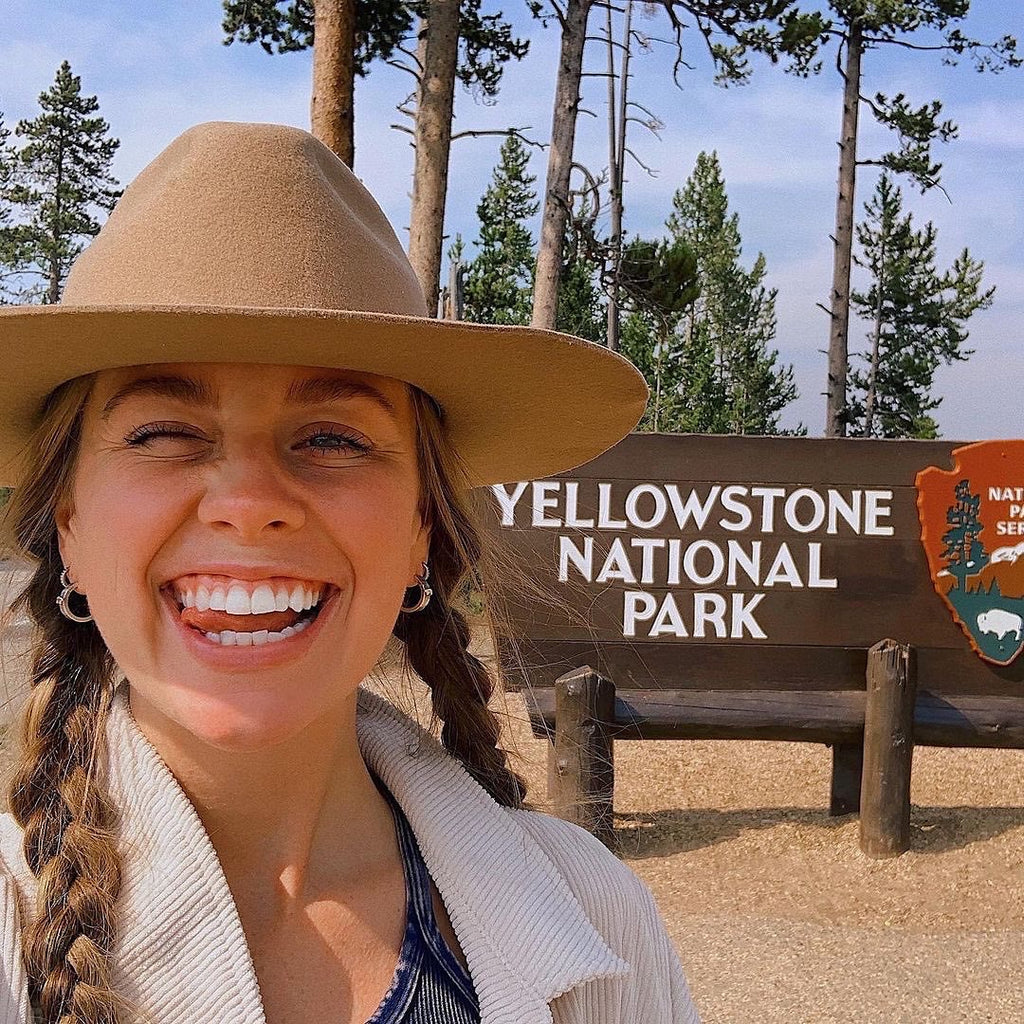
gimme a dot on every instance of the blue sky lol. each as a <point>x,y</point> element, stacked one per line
<point>158,68</point>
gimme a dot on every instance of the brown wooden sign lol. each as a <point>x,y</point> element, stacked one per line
<point>700,561</point>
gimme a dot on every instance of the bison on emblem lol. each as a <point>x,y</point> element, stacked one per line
<point>999,622</point>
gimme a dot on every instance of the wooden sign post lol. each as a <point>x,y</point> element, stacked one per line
<point>888,750</point>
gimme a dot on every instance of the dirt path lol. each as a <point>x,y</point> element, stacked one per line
<point>776,914</point>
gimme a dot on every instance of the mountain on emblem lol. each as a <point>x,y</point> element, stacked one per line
<point>972,529</point>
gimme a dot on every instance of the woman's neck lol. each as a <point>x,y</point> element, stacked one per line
<point>291,821</point>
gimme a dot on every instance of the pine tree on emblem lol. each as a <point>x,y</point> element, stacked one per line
<point>964,552</point>
<point>65,178</point>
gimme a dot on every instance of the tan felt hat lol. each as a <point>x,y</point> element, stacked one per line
<point>253,243</point>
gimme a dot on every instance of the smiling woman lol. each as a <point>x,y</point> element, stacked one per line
<point>260,486</point>
<point>243,459</point>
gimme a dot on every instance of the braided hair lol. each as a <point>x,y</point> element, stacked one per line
<point>56,794</point>
<point>437,639</point>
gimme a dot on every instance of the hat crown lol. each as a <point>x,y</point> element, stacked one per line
<point>247,215</point>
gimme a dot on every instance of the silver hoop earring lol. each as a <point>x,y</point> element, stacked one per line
<point>64,600</point>
<point>426,593</point>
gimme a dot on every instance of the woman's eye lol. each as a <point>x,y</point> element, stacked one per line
<point>322,441</point>
<point>168,440</point>
<point>150,433</point>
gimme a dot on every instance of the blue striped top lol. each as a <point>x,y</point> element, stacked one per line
<point>430,986</point>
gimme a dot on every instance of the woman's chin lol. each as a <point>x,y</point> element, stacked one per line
<point>240,722</point>
<point>242,734</point>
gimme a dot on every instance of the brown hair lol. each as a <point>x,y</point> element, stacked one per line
<point>58,794</point>
<point>437,639</point>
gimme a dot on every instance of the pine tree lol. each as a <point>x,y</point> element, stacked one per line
<point>581,309</point>
<point>860,27</point>
<point>658,282</point>
<point>11,240</point>
<point>917,319</point>
<point>733,319</point>
<point>65,180</point>
<point>499,280</point>
<point>7,160</point>
<point>680,377</point>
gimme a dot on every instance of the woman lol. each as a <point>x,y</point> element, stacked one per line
<point>242,457</point>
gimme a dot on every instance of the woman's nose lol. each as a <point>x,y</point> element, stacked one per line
<point>248,492</point>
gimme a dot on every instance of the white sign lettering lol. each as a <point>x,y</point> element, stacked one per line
<point>648,538</point>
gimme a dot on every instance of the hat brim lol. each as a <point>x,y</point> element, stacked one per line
<point>519,403</point>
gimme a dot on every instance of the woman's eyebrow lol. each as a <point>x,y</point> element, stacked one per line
<point>314,390</point>
<point>185,389</point>
<point>309,390</point>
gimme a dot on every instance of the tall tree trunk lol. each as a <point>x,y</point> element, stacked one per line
<point>563,136</point>
<point>332,106</point>
<point>53,288</point>
<point>876,338</point>
<point>869,398</point>
<point>456,291</point>
<point>614,239</point>
<point>657,385</point>
<point>838,344</point>
<point>439,55</point>
<point>617,121</point>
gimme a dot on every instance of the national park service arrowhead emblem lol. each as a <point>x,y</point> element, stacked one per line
<point>972,528</point>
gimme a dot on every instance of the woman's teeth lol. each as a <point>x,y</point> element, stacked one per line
<point>230,638</point>
<point>241,613</point>
<point>236,599</point>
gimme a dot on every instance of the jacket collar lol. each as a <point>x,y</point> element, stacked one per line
<point>526,937</point>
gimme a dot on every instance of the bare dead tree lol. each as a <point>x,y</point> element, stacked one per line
<point>730,30</point>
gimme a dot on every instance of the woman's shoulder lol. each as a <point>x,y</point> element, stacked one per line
<point>621,907</point>
<point>589,868</point>
<point>610,892</point>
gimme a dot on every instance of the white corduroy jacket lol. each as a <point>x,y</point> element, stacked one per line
<point>555,929</point>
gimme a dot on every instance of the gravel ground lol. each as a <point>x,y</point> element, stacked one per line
<point>776,914</point>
